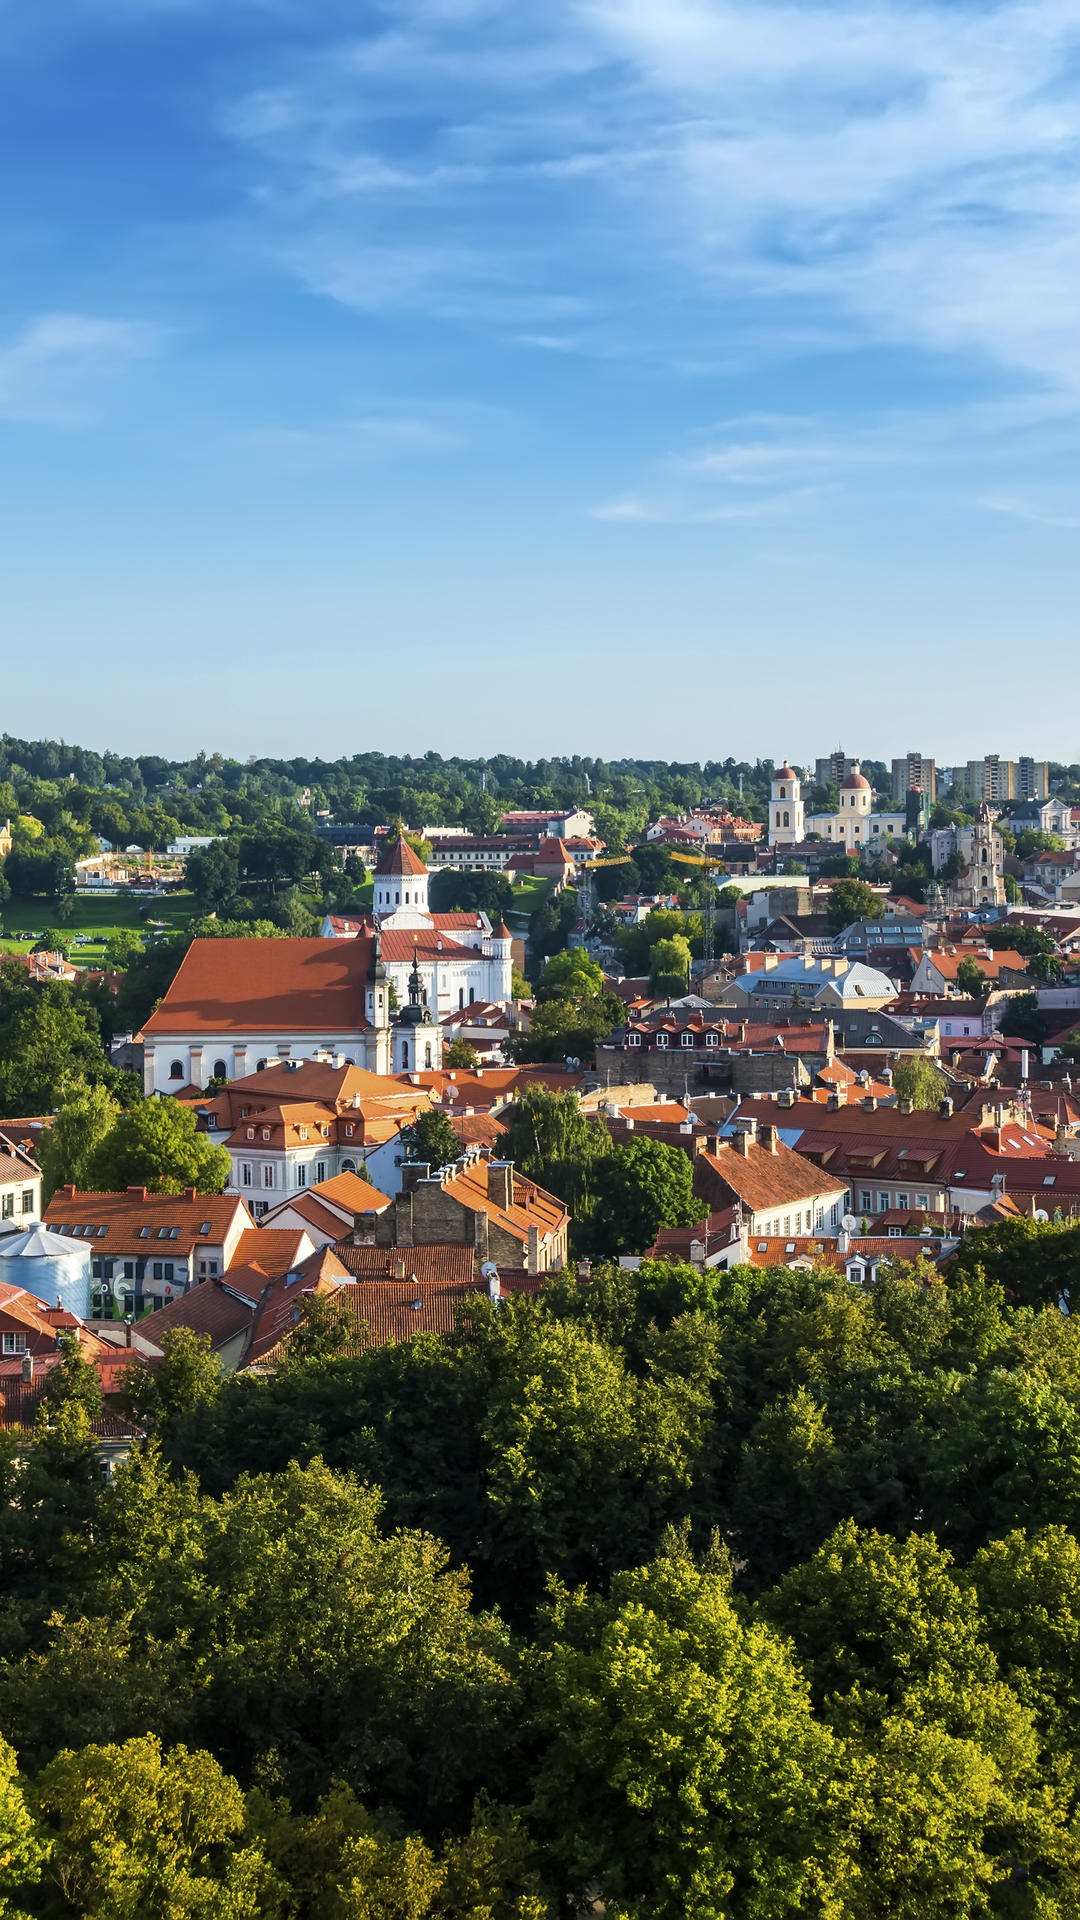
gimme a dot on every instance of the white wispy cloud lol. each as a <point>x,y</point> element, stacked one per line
<point>355,439</point>
<point>59,364</point>
<point>890,171</point>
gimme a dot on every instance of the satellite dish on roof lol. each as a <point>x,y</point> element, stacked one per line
<point>488,1269</point>
<point>849,1223</point>
<point>1041,1214</point>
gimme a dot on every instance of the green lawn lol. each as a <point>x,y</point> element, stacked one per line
<point>96,918</point>
<point>529,894</point>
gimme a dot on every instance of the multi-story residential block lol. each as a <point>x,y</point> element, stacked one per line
<point>915,773</point>
<point>1032,778</point>
<point>833,768</point>
<point>992,779</point>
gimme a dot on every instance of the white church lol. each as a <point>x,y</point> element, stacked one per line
<point>461,958</point>
<point>853,827</point>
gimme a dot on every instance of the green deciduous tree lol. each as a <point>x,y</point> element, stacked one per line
<point>920,1081</point>
<point>157,1144</point>
<point>683,1774</point>
<point>638,1189</point>
<point>23,1847</point>
<point>431,1139</point>
<point>137,1832</point>
<point>552,1142</point>
<point>852,900</point>
<point>971,980</point>
<point>68,1146</point>
<point>669,970</point>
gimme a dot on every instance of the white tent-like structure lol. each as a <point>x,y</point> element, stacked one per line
<point>51,1267</point>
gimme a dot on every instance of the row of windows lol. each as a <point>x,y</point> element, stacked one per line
<point>145,1233</point>
<point>884,1202</point>
<point>26,1202</point>
<point>686,1039</point>
<point>793,1223</point>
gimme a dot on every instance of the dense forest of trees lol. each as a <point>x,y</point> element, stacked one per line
<point>734,1596</point>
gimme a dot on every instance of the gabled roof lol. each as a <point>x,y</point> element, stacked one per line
<point>532,1207</point>
<point>274,1249</point>
<point>762,1178</point>
<point>400,945</point>
<point>124,1217</point>
<point>266,986</point>
<point>280,1305</point>
<point>219,1308</point>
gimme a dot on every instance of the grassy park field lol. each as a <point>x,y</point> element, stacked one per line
<point>92,922</point>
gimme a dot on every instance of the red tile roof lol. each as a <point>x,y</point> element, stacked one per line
<point>532,1207</point>
<point>263,986</point>
<point>399,946</point>
<point>126,1215</point>
<point>220,1308</point>
<point>381,1309</point>
<point>761,1178</point>
<point>274,1249</point>
<point>399,858</point>
<point>280,1305</point>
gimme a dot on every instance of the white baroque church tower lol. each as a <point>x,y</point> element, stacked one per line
<point>787,814</point>
<point>462,960</point>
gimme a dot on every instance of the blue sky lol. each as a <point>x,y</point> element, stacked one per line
<point>626,376</point>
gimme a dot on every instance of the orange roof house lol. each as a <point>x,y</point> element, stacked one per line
<point>481,1203</point>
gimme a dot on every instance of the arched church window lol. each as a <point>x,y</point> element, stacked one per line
<point>348,1166</point>
<point>787,821</point>
<point>221,1071</point>
<point>984,853</point>
<point>176,1071</point>
<point>405,1058</point>
<point>783,793</point>
<point>427,1055</point>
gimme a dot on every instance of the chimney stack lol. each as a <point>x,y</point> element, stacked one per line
<point>500,1184</point>
<point>28,1366</point>
<point>945,1109</point>
<point>769,1137</point>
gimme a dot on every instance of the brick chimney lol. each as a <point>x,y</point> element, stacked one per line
<point>500,1184</point>
<point>190,1193</point>
<point>745,1138</point>
<point>133,1193</point>
<point>533,1257</point>
<point>363,1233</point>
<point>769,1139</point>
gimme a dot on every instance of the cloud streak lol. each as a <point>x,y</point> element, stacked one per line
<point>57,367</point>
<point>861,172</point>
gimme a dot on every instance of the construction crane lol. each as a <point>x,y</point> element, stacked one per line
<point>708,905</point>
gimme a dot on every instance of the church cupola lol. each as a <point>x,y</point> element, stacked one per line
<point>787,814</point>
<point>401,880</point>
